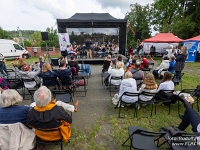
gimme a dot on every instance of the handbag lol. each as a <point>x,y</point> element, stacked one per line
<point>79,82</point>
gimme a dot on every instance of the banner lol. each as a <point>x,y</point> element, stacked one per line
<point>63,41</point>
<point>193,47</point>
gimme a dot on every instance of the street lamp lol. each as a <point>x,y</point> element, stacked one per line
<point>20,35</point>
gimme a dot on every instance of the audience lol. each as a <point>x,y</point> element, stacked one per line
<point>63,71</point>
<point>60,59</point>
<point>21,63</point>
<point>128,85</point>
<point>74,64</point>
<point>145,62</point>
<point>48,73</point>
<point>180,61</point>
<point>26,73</point>
<point>171,64</point>
<point>3,66</point>
<point>162,66</point>
<point>106,63</point>
<point>137,74</point>
<point>47,115</point>
<point>131,65</point>
<point>41,61</point>
<point>119,71</point>
<point>149,85</point>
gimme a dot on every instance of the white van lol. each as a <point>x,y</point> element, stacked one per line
<point>11,49</point>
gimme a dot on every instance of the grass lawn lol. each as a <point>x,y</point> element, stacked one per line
<point>109,132</point>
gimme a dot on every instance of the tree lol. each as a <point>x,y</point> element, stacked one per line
<point>4,34</point>
<point>180,17</point>
<point>139,19</point>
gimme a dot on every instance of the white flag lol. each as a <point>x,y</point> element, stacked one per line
<point>63,40</point>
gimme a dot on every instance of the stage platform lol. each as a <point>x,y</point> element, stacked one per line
<point>87,61</point>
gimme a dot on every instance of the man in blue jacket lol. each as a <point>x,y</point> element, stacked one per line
<point>88,48</point>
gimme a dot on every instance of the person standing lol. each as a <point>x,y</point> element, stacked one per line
<point>180,61</point>
<point>88,48</point>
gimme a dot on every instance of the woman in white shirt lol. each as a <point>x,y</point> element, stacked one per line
<point>128,85</point>
<point>117,72</point>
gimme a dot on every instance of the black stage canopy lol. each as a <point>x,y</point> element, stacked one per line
<point>95,20</point>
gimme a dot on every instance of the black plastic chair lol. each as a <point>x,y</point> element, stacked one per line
<point>55,142</point>
<point>66,82</point>
<point>114,78</point>
<point>175,143</point>
<point>131,103</point>
<point>142,139</point>
<point>50,82</point>
<point>177,79</point>
<point>63,95</point>
<point>165,97</point>
<point>103,75</point>
<point>77,86</point>
<point>149,102</point>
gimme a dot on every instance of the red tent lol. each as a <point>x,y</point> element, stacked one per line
<point>163,38</point>
<point>196,38</point>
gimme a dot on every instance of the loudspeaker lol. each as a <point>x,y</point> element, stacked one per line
<point>138,35</point>
<point>45,36</point>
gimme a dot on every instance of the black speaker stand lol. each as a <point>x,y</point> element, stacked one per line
<point>48,57</point>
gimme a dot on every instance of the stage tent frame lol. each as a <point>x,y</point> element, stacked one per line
<point>95,20</point>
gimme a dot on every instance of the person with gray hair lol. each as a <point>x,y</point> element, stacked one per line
<point>48,115</point>
<point>10,111</point>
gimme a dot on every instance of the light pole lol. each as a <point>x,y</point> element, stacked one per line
<point>20,35</point>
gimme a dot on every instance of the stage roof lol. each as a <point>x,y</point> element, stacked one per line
<point>91,20</point>
<point>163,38</point>
<point>196,38</point>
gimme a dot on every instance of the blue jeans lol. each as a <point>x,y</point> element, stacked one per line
<point>190,117</point>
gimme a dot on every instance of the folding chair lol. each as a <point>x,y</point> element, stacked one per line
<point>103,75</point>
<point>197,95</point>
<point>11,74</point>
<point>177,79</point>
<point>18,85</point>
<point>175,143</point>
<point>55,142</point>
<point>142,139</point>
<point>50,82</point>
<point>114,78</point>
<point>164,97</point>
<point>63,95</point>
<point>128,94</point>
<point>149,102</point>
<point>79,81</point>
<point>162,72</point>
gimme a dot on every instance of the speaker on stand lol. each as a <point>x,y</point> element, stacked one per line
<point>45,37</point>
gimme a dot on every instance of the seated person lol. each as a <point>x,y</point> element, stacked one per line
<point>163,65</point>
<point>65,75</point>
<point>145,62</point>
<point>13,120</point>
<point>3,66</point>
<point>21,63</point>
<point>47,115</point>
<point>131,65</point>
<point>47,72</point>
<point>149,85</point>
<point>106,63</point>
<point>128,85</point>
<point>166,84</point>
<point>26,73</point>
<point>118,72</point>
<point>41,61</point>
<point>171,64</point>
<point>138,74</point>
<point>190,117</point>
<point>74,66</point>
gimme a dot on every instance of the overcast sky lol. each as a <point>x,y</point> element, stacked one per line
<point>40,14</point>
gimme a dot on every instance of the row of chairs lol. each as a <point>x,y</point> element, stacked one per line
<point>154,101</point>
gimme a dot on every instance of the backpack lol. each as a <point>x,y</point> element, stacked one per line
<point>4,83</point>
<point>197,91</point>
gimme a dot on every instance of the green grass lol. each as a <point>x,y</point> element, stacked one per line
<point>109,132</point>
